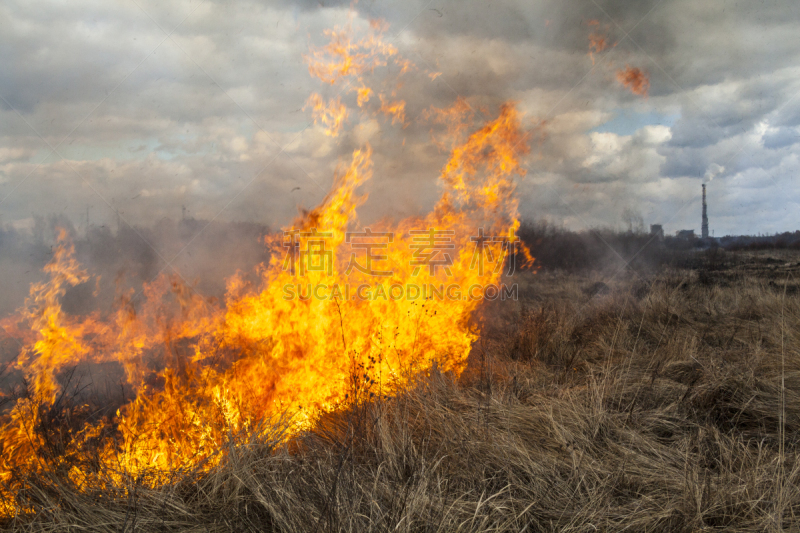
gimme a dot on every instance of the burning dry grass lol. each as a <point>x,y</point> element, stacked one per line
<point>647,406</point>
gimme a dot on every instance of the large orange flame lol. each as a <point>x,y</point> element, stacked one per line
<point>321,330</point>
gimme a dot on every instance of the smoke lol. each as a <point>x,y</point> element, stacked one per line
<point>712,172</point>
<point>203,254</point>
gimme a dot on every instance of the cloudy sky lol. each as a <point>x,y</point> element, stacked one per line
<point>151,107</point>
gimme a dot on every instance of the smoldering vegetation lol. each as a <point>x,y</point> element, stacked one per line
<point>660,400</point>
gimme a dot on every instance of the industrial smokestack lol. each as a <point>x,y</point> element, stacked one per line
<point>704,230</point>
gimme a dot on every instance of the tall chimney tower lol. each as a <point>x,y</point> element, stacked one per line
<point>704,230</point>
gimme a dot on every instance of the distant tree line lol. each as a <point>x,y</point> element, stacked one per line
<point>557,248</point>
<point>779,241</point>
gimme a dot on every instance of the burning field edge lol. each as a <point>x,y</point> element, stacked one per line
<point>664,403</point>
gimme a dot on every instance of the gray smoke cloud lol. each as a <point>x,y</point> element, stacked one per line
<point>195,109</point>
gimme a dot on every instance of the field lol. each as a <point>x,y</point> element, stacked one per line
<point>660,400</point>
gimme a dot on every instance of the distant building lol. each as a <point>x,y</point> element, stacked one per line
<point>657,231</point>
<point>687,234</point>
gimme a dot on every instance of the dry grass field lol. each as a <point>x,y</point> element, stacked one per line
<point>666,401</point>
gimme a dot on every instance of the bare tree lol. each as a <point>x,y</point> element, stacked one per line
<point>633,220</point>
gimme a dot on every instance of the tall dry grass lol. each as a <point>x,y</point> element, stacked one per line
<point>666,404</point>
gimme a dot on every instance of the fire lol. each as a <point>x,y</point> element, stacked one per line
<point>364,65</point>
<point>395,109</point>
<point>364,94</point>
<point>324,327</point>
<point>345,56</point>
<point>597,41</point>
<point>634,79</point>
<point>330,115</point>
